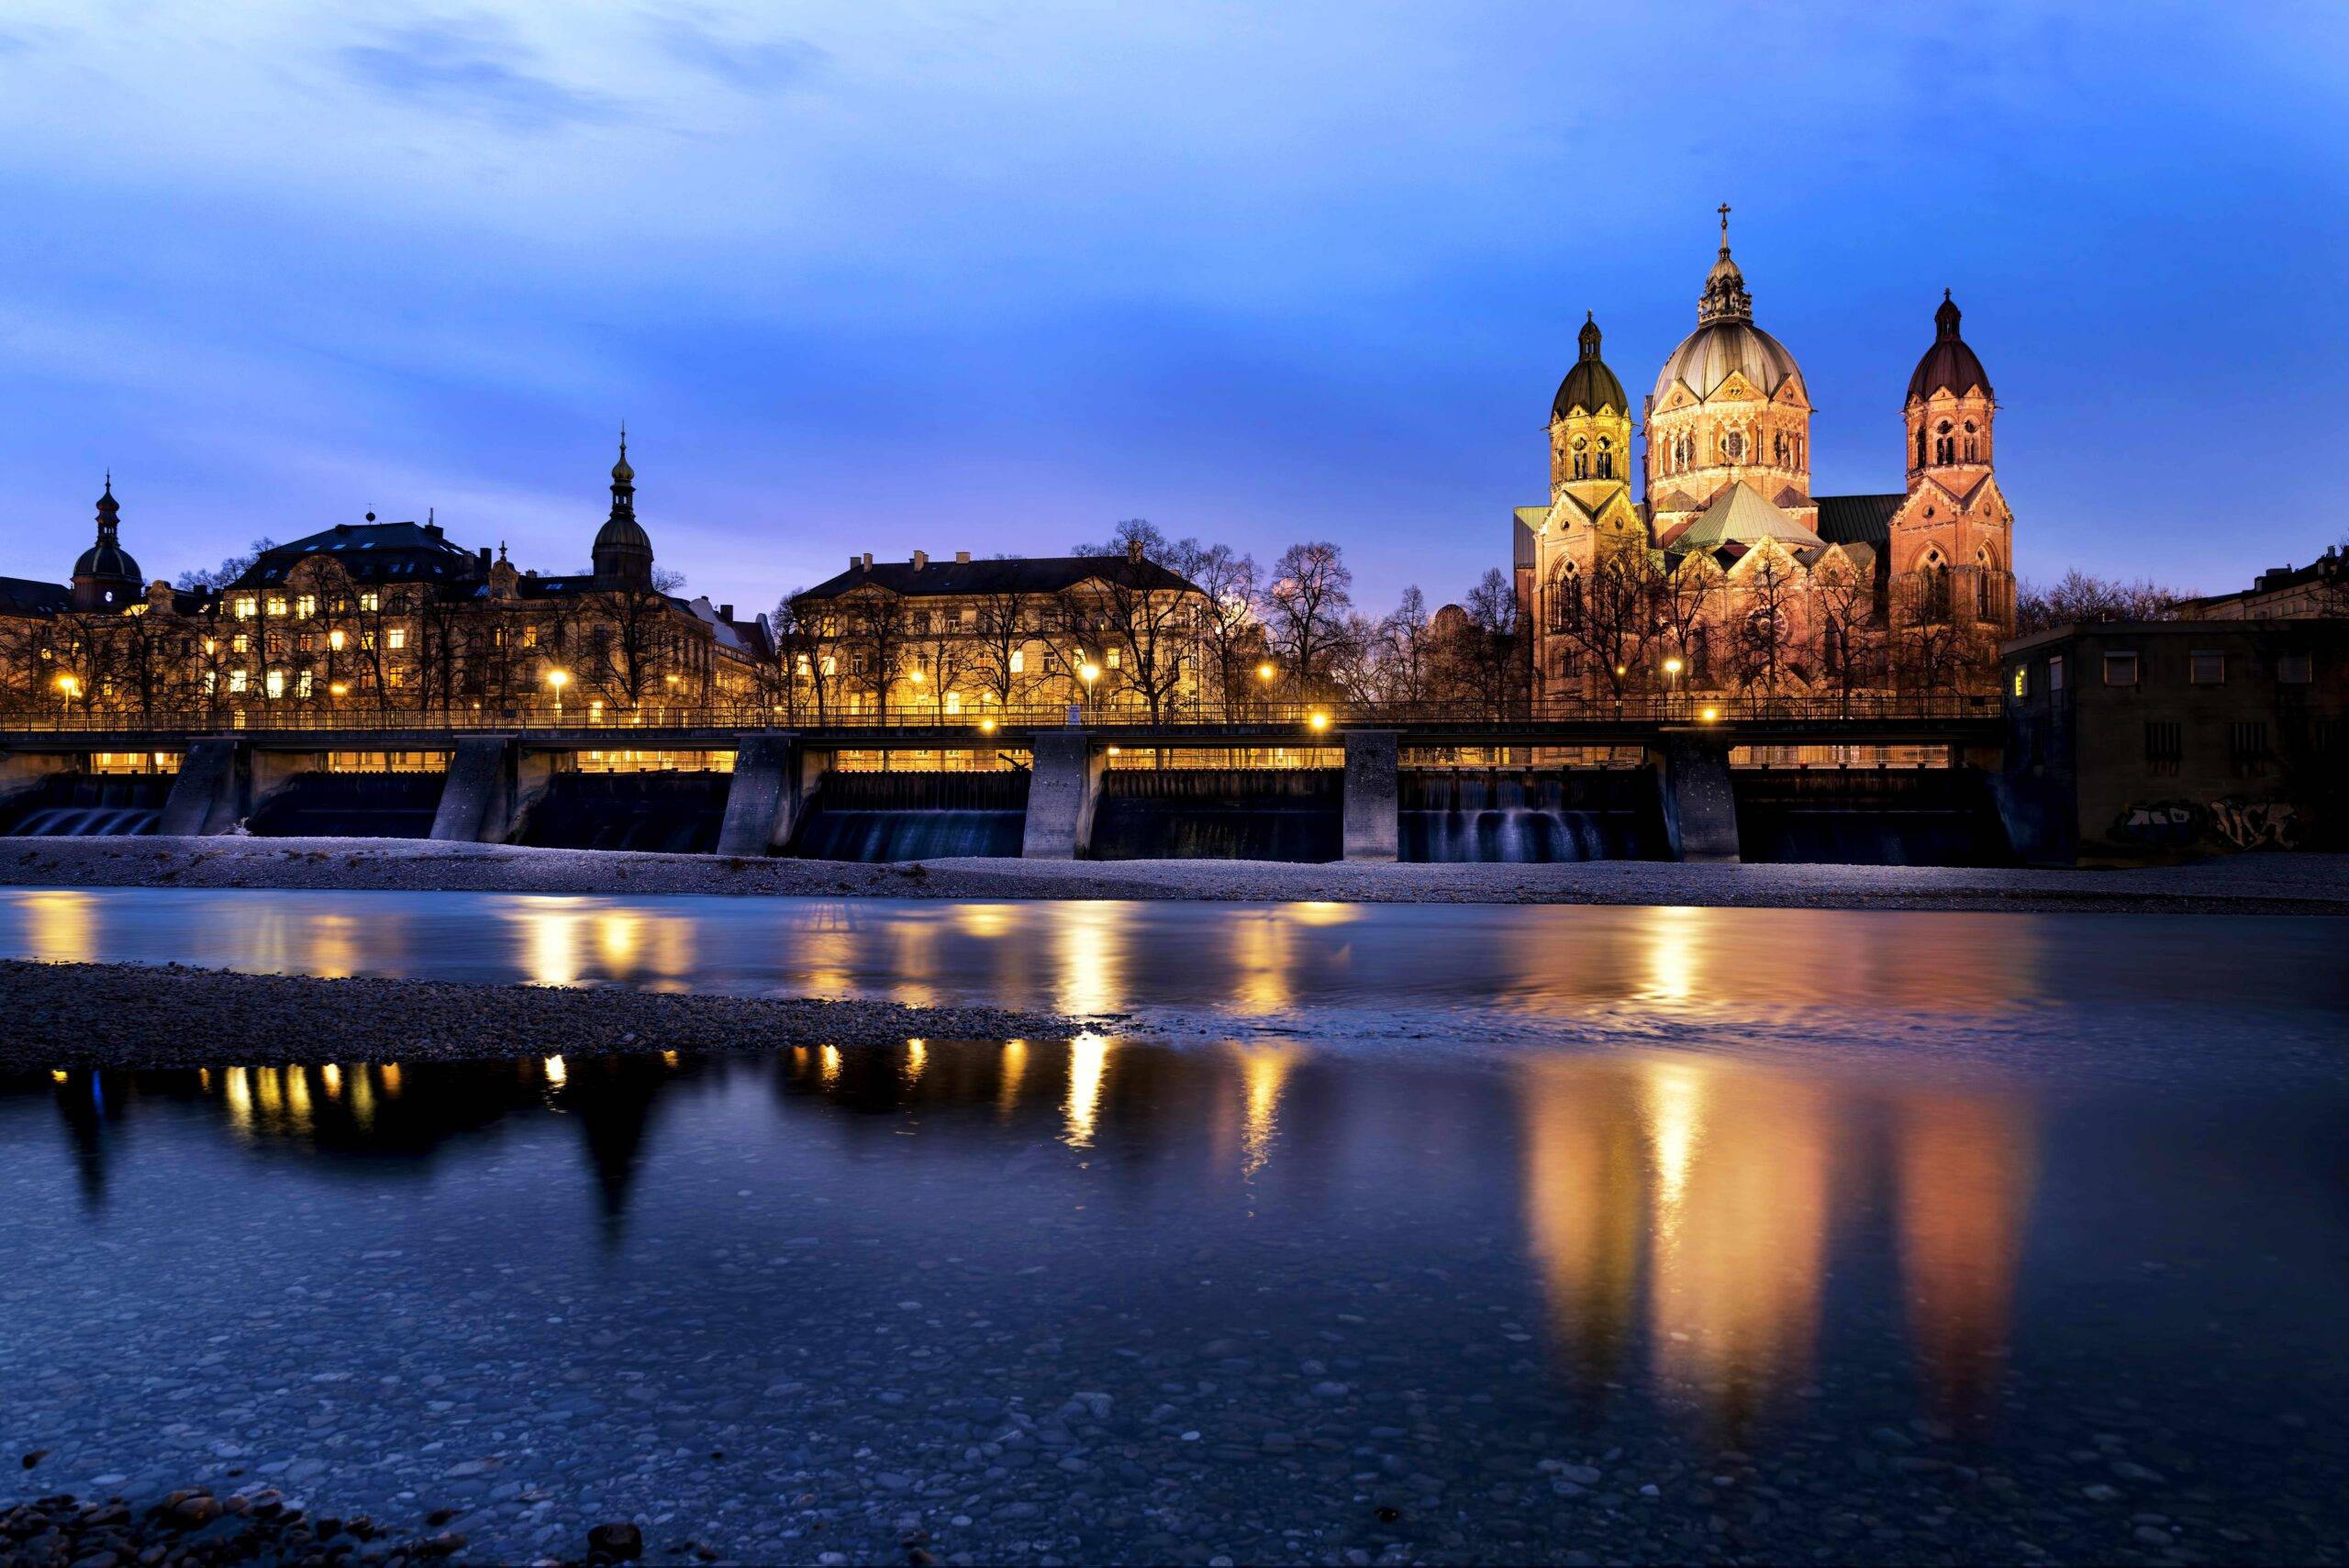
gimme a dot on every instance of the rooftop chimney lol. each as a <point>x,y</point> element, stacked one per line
<point>485,558</point>
<point>921,558</point>
<point>1133,550</point>
<point>868,560</point>
<point>962,557</point>
<point>725,612</point>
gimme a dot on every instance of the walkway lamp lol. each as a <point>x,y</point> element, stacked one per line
<point>1672,668</point>
<point>1319,722</point>
<point>556,681</point>
<point>68,688</point>
<point>1088,673</point>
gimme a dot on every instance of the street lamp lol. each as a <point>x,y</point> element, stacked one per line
<point>1672,668</point>
<point>1319,721</point>
<point>68,688</point>
<point>558,679</point>
<point>1088,673</point>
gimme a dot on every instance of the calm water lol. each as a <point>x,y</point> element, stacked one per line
<point>1889,1236</point>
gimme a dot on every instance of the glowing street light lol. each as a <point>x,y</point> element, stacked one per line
<point>1266,673</point>
<point>336,689</point>
<point>1319,721</point>
<point>557,680</point>
<point>1671,666</point>
<point>1710,715</point>
<point>68,688</point>
<point>987,727</point>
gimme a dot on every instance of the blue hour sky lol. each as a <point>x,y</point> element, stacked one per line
<point>877,276</point>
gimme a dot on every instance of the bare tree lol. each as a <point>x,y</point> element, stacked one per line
<point>1004,620</point>
<point>1851,648</point>
<point>228,571</point>
<point>805,655</point>
<point>1608,617</point>
<point>1230,630</point>
<point>2077,596</point>
<point>1312,589</point>
<point>1149,626</point>
<point>1487,652</point>
<point>1763,636</point>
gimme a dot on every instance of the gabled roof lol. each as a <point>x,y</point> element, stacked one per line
<point>1019,574</point>
<point>1856,519</point>
<point>24,596</point>
<point>1740,515</point>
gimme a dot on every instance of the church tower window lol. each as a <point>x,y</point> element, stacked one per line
<point>1582,457</point>
<point>1733,446</point>
<point>1936,574</point>
<point>1606,458</point>
<point>1973,444</point>
<point>1986,590</point>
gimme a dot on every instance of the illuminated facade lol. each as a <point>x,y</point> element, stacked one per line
<point>1730,574</point>
<point>380,615</point>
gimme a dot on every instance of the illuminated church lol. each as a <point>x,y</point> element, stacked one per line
<point>1729,573</point>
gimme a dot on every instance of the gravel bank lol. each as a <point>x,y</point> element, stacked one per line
<point>2265,885</point>
<point>127,1015</point>
<point>194,1528</point>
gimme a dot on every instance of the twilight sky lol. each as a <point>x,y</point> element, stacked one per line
<point>871,275</point>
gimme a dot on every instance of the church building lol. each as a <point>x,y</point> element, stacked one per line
<point>1728,573</point>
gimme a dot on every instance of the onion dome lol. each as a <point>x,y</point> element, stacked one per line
<point>106,562</point>
<point>1949,366</point>
<point>1590,385</point>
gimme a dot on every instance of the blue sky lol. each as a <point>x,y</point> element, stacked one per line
<point>880,276</point>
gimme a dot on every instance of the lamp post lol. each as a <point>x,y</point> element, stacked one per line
<point>1088,673</point>
<point>556,681</point>
<point>68,688</point>
<point>1672,668</point>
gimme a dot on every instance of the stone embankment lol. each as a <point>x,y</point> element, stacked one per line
<point>2256,884</point>
<point>125,1015</point>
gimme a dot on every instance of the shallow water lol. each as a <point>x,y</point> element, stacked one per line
<point>1895,1237</point>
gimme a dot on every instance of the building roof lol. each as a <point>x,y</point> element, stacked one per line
<point>1713,352</point>
<point>1589,386</point>
<point>1738,516</point>
<point>1949,366</point>
<point>1016,574</point>
<point>370,552</point>
<point>24,596</point>
<point>1856,519</point>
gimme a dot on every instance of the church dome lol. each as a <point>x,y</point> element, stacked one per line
<point>1590,385</point>
<point>623,531</point>
<point>1710,354</point>
<point>1949,366</point>
<point>107,561</point>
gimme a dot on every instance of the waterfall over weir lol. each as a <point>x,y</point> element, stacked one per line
<point>1526,814</point>
<point>348,806</point>
<point>912,815</point>
<point>77,806</point>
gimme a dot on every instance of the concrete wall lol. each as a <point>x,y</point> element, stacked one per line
<point>269,772</point>
<point>477,800</point>
<point>22,771</point>
<point>1373,790</point>
<point>763,803</point>
<point>213,791</point>
<point>1062,794</point>
<point>1699,800</point>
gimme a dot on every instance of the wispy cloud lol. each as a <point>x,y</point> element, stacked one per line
<point>764,65</point>
<point>474,67</point>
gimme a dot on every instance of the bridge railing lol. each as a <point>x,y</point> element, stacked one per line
<point>630,729</point>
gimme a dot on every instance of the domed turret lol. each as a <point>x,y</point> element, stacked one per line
<point>1590,385</point>
<point>1949,366</point>
<point>1590,423</point>
<point>623,552</point>
<point>106,577</point>
<point>1949,408</point>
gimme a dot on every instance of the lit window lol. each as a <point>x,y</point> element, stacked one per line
<point>273,684</point>
<point>396,638</point>
<point>2120,669</point>
<point>305,606</point>
<point>954,702</point>
<point>334,641</point>
<point>302,685</point>
<point>240,643</point>
<point>369,602</point>
<point>238,680</point>
<point>211,682</point>
<point>531,636</point>
<point>2204,669</point>
<point>276,605</point>
<point>245,608</point>
<point>1113,657</point>
<point>1019,661</point>
<point>2295,669</point>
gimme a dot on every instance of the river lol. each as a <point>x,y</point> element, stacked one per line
<point>1437,1233</point>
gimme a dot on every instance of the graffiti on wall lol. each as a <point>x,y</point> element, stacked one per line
<point>2239,824</point>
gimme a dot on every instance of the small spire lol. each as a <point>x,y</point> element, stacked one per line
<point>1946,320</point>
<point>1723,210</point>
<point>1589,335</point>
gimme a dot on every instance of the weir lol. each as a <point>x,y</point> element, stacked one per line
<point>1256,814</point>
<point>1911,816</point>
<point>879,817</point>
<point>79,804</point>
<point>669,812</point>
<point>1532,815</point>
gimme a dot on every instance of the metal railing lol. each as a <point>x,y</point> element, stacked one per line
<point>1306,718</point>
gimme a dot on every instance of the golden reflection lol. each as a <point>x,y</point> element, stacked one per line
<point>1088,1060</point>
<point>917,1058</point>
<point>334,949</point>
<point>332,1076</point>
<point>669,1059</point>
<point>1015,1068</point>
<point>269,1093</point>
<point>298,1097</point>
<point>1583,1198</point>
<point>1965,1167</point>
<point>984,920</point>
<point>557,1074</point>
<point>1674,945</point>
<point>238,1094</point>
<point>1090,946</point>
<point>1263,1072</point>
<point>830,1070</point>
<point>61,925</point>
<point>551,941</point>
<point>619,933</point>
<point>1321,912</point>
<point>1263,950</point>
<point>362,1099</point>
<point>391,1080</point>
<point>58,1076</point>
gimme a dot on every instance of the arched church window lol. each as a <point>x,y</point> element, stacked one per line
<point>1778,448</point>
<point>1921,446</point>
<point>1733,446</point>
<point>1985,595</point>
<point>1936,574</point>
<point>1606,458</point>
<point>1582,458</point>
<point>1565,598</point>
<point>1973,444</point>
<point>1944,447</point>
